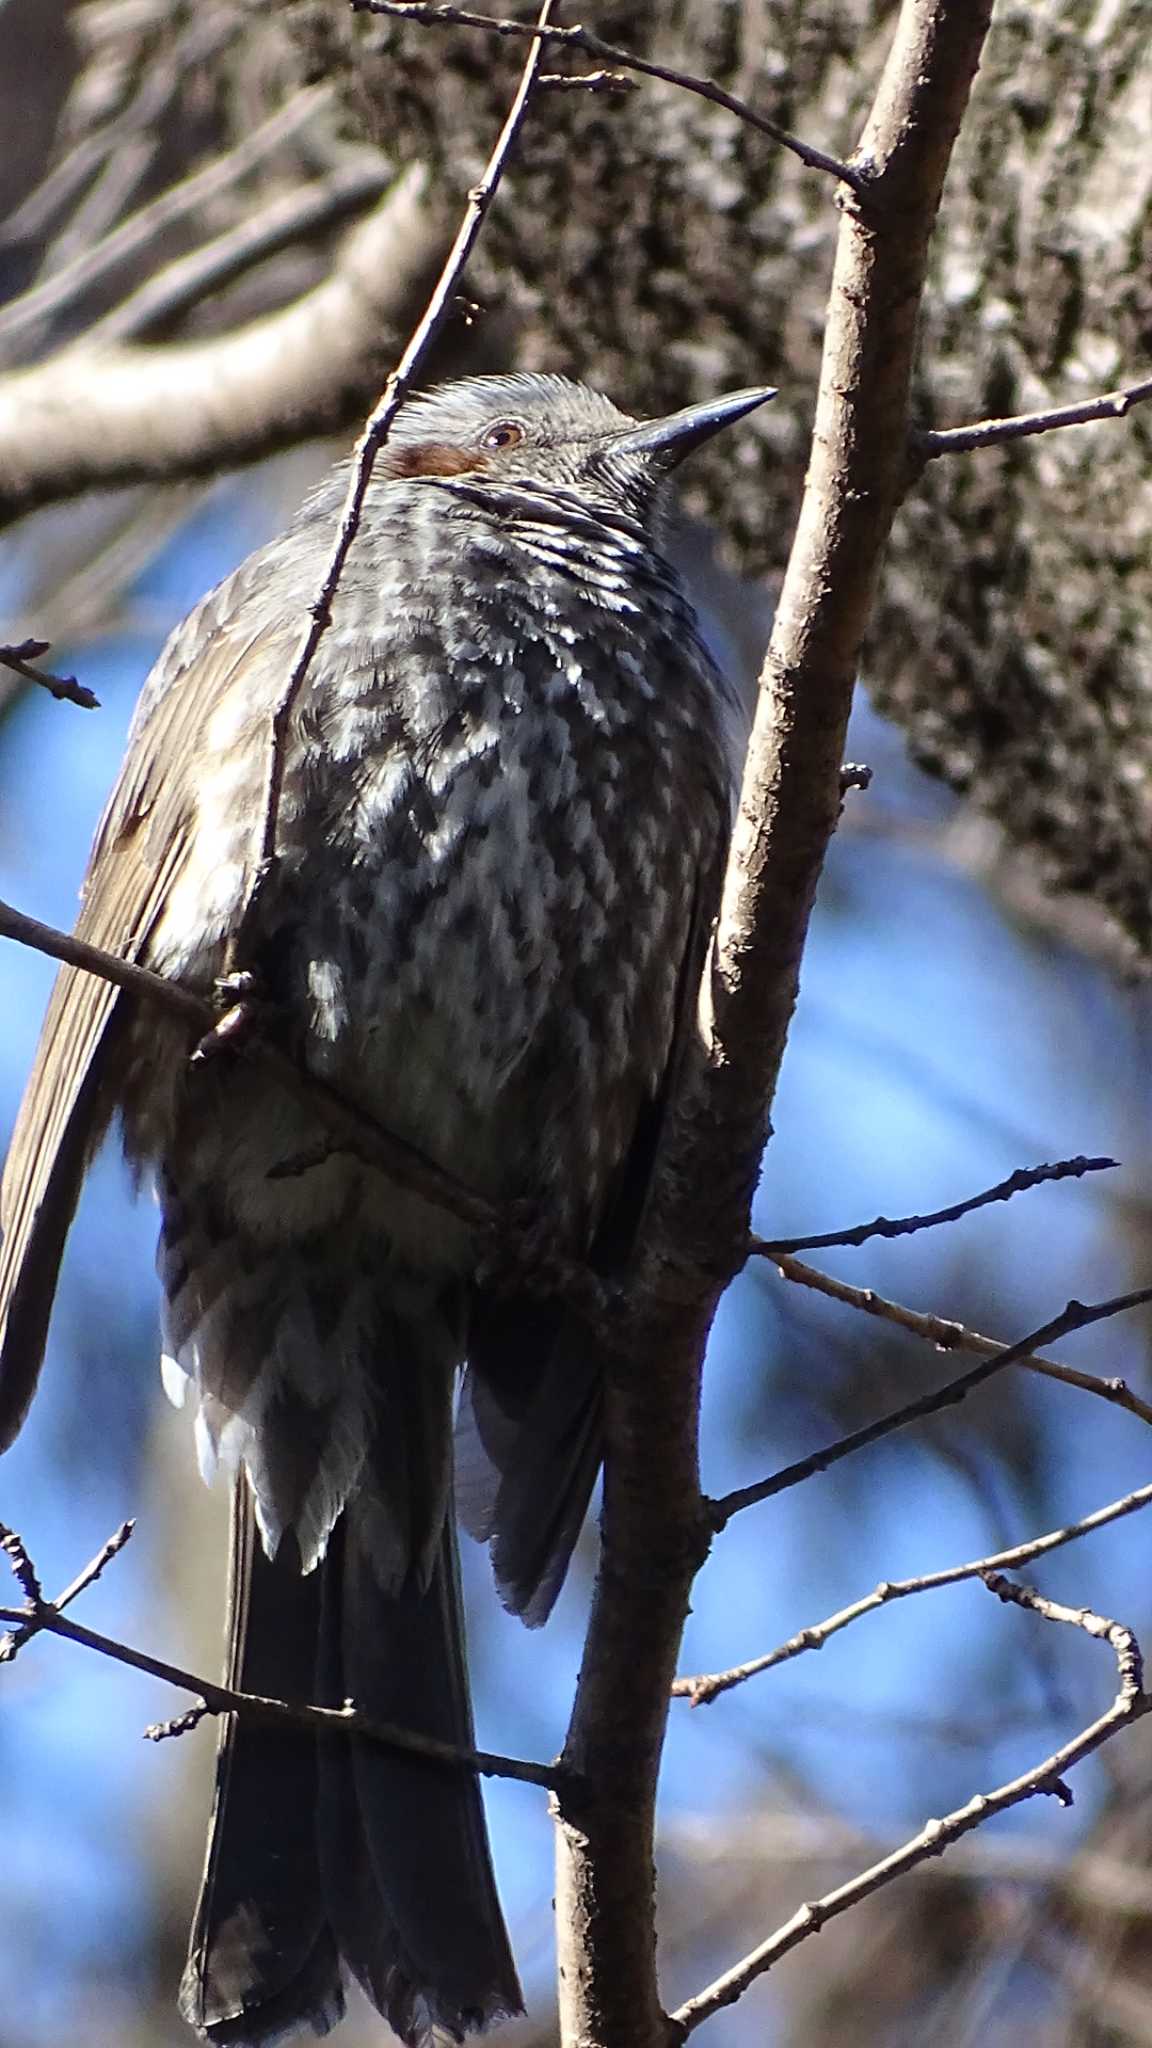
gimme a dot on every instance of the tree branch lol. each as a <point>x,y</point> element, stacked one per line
<point>654,1527</point>
<point>39,1614</point>
<point>1017,1183</point>
<point>578,38</point>
<point>287,220</point>
<point>368,447</point>
<point>20,659</point>
<point>952,1336</point>
<point>1113,405</point>
<point>1130,1704</point>
<point>353,1128</point>
<point>9,1644</point>
<point>1077,1315</point>
<point>58,294</point>
<point>703,1688</point>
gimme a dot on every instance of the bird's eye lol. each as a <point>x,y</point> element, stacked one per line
<point>505,434</point>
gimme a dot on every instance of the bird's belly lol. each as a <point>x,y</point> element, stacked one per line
<point>434,1007</point>
<point>478,938</point>
<point>500,953</point>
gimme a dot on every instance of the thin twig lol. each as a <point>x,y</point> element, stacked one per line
<point>221,1699</point>
<point>579,38</point>
<point>21,659</point>
<point>585,81</point>
<point>354,1128</point>
<point>704,1687</point>
<point>1112,405</point>
<point>1017,1183</point>
<point>947,1335</point>
<point>1077,1315</point>
<point>9,1644</point>
<point>373,437</point>
<point>23,1569</point>
<point>1047,1778</point>
<point>511,1245</point>
<point>96,1566</point>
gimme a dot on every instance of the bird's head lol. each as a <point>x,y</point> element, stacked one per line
<point>549,432</point>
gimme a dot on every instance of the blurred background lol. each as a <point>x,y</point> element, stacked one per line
<point>956,1022</point>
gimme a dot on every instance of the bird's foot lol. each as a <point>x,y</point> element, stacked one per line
<point>244,1013</point>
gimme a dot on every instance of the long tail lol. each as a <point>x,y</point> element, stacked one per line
<point>329,1855</point>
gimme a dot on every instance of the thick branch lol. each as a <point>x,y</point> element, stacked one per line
<point>653,1532</point>
<point>857,477</point>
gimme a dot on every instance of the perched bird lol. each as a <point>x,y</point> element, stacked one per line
<point>507,790</point>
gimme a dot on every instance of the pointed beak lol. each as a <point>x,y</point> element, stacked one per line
<point>668,441</point>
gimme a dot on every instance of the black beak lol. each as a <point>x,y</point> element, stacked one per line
<point>668,441</point>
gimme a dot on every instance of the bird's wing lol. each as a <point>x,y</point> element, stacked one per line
<point>529,1434</point>
<point>141,846</point>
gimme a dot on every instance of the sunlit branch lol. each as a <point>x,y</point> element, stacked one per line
<point>705,1687</point>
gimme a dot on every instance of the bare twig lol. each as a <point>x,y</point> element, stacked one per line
<point>177,1724</point>
<point>376,433</point>
<point>40,1614</point>
<point>585,81</point>
<point>1077,1315</point>
<point>74,952</point>
<point>23,1569</point>
<point>903,1226</point>
<point>9,1644</point>
<point>947,1335</point>
<point>579,38</point>
<point>1047,1778</point>
<point>702,1688</point>
<point>1112,405</point>
<point>21,658</point>
<point>509,1244</point>
<point>96,1566</point>
<point>353,1128</point>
